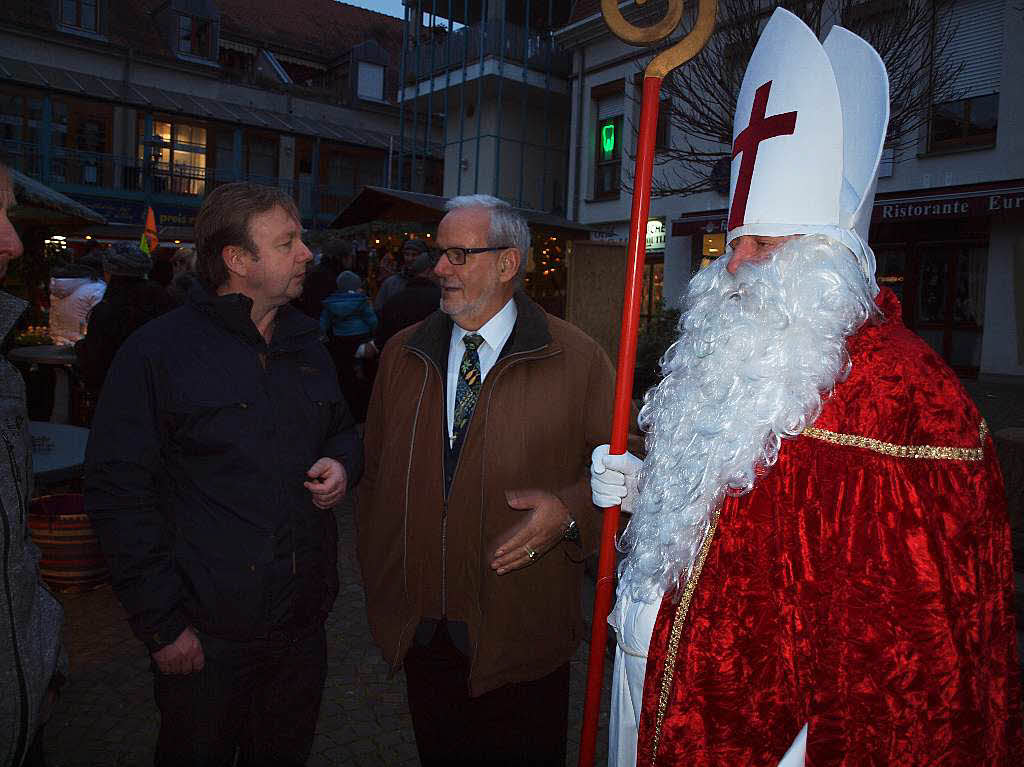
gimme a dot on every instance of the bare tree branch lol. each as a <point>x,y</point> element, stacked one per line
<point>909,35</point>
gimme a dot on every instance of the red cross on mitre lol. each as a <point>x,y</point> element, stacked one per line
<point>758,129</point>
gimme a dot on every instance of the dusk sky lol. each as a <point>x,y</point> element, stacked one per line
<point>390,7</point>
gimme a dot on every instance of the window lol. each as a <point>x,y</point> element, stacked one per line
<point>964,123</point>
<point>262,159</point>
<point>965,112</point>
<point>610,105</point>
<point>661,132</point>
<point>195,36</point>
<point>80,14</point>
<point>178,157</point>
<point>371,81</point>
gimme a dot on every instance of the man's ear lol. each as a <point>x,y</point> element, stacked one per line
<point>508,264</point>
<point>237,260</point>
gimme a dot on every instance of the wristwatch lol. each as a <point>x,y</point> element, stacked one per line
<point>572,532</point>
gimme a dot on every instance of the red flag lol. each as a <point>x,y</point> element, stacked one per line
<point>149,240</point>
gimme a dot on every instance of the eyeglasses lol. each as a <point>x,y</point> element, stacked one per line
<point>457,256</point>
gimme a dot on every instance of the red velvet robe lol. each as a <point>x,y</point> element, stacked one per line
<point>864,586</point>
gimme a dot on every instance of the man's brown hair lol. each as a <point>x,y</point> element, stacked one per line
<point>224,220</point>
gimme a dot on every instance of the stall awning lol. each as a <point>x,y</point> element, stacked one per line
<point>38,203</point>
<point>376,203</point>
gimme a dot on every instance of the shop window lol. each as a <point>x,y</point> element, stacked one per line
<point>80,14</point>
<point>652,292</point>
<point>964,123</point>
<point>195,36</point>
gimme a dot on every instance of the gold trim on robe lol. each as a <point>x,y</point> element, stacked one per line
<point>932,452</point>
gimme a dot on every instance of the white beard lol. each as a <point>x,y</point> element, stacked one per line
<point>756,354</point>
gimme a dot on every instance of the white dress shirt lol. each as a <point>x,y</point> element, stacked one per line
<point>495,333</point>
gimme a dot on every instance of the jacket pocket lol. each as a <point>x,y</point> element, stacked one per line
<point>209,426</point>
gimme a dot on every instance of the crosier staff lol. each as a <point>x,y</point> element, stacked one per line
<point>654,73</point>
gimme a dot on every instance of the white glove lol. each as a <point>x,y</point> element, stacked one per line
<point>613,478</point>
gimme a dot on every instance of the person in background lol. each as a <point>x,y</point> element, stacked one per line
<point>220,446</point>
<point>348,320</point>
<point>321,279</point>
<point>183,264</point>
<point>130,301</point>
<point>416,301</point>
<point>73,293</point>
<point>392,285</point>
<point>33,664</point>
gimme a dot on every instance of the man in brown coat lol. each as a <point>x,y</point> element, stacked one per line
<point>475,515</point>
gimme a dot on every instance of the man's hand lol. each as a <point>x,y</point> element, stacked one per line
<point>613,478</point>
<point>538,531</point>
<point>183,656</point>
<point>327,482</point>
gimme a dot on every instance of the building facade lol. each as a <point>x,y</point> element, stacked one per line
<point>126,104</point>
<point>948,221</point>
<point>487,74</point>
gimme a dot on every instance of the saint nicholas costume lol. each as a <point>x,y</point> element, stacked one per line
<point>854,608</point>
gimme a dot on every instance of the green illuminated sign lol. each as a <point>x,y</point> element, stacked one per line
<point>608,139</point>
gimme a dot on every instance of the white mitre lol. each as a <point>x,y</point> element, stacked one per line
<point>808,137</point>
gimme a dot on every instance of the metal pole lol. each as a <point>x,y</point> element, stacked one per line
<point>416,96</point>
<point>501,81</point>
<point>462,94</point>
<point>447,88</point>
<point>401,100</point>
<point>526,96</point>
<point>430,93</point>
<point>480,92</point>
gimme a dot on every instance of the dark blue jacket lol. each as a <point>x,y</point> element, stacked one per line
<point>195,469</point>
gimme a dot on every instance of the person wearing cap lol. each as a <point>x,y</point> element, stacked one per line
<point>475,516</point>
<point>348,321</point>
<point>818,565</point>
<point>393,284</point>
<point>129,302</point>
<point>220,446</point>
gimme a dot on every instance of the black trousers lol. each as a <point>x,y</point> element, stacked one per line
<point>261,698</point>
<point>523,723</point>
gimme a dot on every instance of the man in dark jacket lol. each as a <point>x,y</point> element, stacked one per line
<point>475,515</point>
<point>220,444</point>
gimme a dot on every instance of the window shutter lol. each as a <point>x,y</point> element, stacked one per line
<point>975,46</point>
<point>610,106</point>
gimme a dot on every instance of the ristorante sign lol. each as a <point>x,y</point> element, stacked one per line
<point>928,205</point>
<point>975,203</point>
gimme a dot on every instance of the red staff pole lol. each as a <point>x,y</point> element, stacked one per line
<point>636,250</point>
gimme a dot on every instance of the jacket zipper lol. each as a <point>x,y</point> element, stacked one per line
<point>21,742</point>
<point>455,470</point>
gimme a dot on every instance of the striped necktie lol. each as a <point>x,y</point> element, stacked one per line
<point>468,388</point>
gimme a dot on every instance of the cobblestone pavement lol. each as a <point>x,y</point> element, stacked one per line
<point>107,717</point>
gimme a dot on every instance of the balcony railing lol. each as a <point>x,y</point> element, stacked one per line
<point>69,170</point>
<point>464,46</point>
